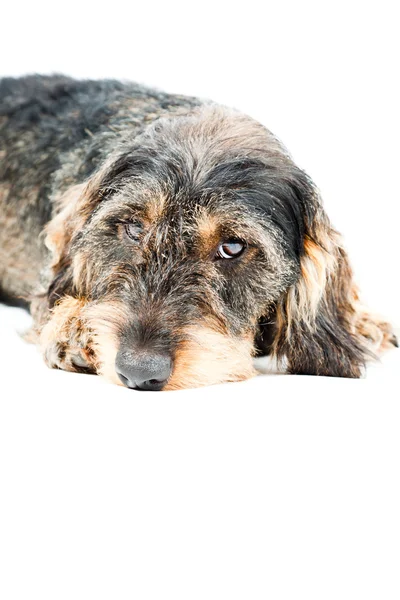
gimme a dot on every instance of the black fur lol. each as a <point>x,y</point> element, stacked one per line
<point>188,175</point>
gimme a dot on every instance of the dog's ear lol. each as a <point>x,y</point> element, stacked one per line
<point>320,326</point>
<point>71,211</point>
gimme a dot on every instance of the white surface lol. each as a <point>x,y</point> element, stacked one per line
<point>282,487</point>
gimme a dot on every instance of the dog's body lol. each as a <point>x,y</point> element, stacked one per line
<point>164,241</point>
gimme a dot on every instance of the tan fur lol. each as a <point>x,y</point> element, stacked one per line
<point>317,266</point>
<point>65,340</point>
<point>155,207</point>
<point>60,229</point>
<point>103,319</point>
<point>326,276</point>
<point>209,357</point>
<point>208,231</point>
<point>375,330</point>
<point>74,208</point>
<point>81,270</point>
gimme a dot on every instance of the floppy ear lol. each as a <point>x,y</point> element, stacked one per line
<point>71,211</point>
<point>321,328</point>
<point>58,236</point>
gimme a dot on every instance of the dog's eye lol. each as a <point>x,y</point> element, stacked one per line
<point>230,249</point>
<point>133,230</point>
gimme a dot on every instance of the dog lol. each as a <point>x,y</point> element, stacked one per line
<point>164,241</point>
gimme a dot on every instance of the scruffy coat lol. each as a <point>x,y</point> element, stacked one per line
<point>115,203</point>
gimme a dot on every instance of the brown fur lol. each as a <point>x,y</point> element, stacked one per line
<point>114,200</point>
<point>209,357</point>
<point>326,285</point>
<point>65,340</point>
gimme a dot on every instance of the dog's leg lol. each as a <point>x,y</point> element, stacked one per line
<point>62,335</point>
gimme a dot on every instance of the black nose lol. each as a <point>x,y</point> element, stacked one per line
<point>143,371</point>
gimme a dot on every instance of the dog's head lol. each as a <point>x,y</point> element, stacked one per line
<point>198,244</point>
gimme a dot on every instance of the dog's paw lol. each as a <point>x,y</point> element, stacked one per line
<point>59,355</point>
<point>65,341</point>
<point>378,332</point>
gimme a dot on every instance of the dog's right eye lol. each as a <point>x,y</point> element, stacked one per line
<point>230,249</point>
<point>133,230</point>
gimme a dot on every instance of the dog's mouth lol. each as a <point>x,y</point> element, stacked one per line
<point>206,355</point>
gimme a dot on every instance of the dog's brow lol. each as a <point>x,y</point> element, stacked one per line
<point>155,206</point>
<point>208,227</point>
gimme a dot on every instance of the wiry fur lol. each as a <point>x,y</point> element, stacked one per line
<point>79,160</point>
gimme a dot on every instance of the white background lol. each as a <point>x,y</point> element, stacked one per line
<point>281,487</point>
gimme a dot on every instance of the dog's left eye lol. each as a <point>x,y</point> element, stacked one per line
<point>133,230</point>
<point>230,249</point>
